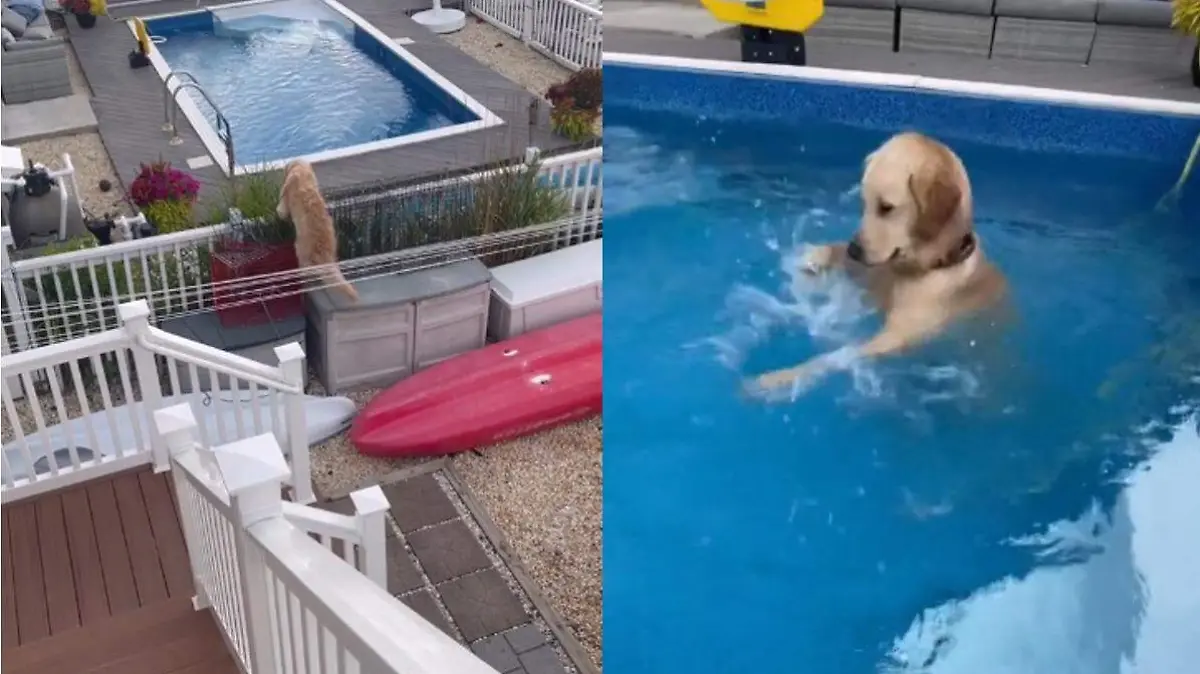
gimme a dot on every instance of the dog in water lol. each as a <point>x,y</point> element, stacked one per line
<point>916,253</point>
<point>301,202</point>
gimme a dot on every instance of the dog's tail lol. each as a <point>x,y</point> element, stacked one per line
<point>333,277</point>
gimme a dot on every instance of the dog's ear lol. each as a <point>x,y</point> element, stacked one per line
<point>936,190</point>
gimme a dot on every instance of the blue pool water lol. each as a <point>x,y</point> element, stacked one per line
<point>1023,503</point>
<point>294,82</point>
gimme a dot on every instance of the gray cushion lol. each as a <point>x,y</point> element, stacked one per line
<point>862,4</point>
<point>1060,10</point>
<point>1134,13</point>
<point>15,23</point>
<point>32,45</point>
<point>9,38</point>
<point>38,29</point>
<point>977,7</point>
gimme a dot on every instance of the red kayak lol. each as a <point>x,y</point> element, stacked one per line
<point>530,383</point>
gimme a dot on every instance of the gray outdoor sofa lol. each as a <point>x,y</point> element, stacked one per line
<point>35,61</point>
<point>1077,31</point>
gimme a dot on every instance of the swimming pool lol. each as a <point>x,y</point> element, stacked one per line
<point>1025,506</point>
<point>304,78</point>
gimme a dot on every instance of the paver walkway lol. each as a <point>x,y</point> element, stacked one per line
<point>443,563</point>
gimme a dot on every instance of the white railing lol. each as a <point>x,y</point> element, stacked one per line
<point>57,297</point>
<point>103,387</point>
<point>284,602</point>
<point>567,31</point>
<point>359,539</point>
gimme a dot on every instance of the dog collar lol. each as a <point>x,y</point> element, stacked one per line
<point>960,254</point>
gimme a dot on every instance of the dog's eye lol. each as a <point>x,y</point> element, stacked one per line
<point>885,208</point>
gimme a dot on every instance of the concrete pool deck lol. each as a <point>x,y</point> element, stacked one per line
<point>690,39</point>
<point>129,105</point>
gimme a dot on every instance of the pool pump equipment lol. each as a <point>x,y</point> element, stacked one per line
<point>441,21</point>
<point>140,56</point>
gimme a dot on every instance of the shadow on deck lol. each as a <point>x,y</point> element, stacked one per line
<point>96,579</point>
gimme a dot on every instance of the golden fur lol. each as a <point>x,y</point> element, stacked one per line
<point>915,252</point>
<point>316,243</point>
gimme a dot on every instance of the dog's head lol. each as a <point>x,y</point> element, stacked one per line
<point>298,168</point>
<point>916,205</point>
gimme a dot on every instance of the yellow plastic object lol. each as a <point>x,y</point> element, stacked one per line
<point>143,38</point>
<point>795,16</point>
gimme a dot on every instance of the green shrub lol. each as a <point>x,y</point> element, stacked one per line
<point>255,194</point>
<point>573,124</point>
<point>169,216</point>
<point>510,197</point>
<point>1185,16</point>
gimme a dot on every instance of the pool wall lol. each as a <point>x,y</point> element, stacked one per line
<point>466,113</point>
<point>1026,117</point>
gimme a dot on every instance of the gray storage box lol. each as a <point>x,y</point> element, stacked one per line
<point>546,289</point>
<point>401,323</point>
<point>256,342</point>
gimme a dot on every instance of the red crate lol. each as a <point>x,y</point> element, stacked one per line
<point>234,260</point>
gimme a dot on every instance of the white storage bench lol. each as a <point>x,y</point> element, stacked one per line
<point>546,289</point>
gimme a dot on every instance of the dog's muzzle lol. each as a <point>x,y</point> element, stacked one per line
<point>854,251</point>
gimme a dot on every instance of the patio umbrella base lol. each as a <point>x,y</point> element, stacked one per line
<point>440,20</point>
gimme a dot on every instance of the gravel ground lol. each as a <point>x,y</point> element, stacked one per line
<point>91,160</point>
<point>508,56</point>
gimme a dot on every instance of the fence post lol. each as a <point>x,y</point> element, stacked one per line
<point>253,471</point>
<point>14,304</point>
<point>291,364</point>
<point>370,508</point>
<point>135,317</point>
<point>526,21</point>
<point>177,426</point>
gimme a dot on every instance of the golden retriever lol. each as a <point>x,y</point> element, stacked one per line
<point>301,202</point>
<point>916,252</point>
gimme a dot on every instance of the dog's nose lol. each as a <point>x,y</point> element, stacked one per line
<point>854,250</point>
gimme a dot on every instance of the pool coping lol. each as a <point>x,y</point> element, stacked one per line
<point>908,82</point>
<point>208,135</point>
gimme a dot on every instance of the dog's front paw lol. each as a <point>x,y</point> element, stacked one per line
<point>817,259</point>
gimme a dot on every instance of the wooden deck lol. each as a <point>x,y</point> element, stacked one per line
<point>129,106</point>
<point>96,579</point>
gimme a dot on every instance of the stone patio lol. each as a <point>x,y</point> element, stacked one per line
<point>449,563</point>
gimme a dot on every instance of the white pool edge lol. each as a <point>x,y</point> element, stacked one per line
<point>911,82</point>
<point>212,143</point>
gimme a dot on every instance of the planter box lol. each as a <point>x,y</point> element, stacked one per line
<point>232,261</point>
<point>546,289</point>
<point>402,323</point>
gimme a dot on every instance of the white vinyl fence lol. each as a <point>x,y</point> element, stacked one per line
<point>92,415</point>
<point>284,602</point>
<point>567,31</point>
<point>56,297</point>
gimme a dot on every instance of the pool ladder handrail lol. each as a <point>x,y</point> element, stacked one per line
<point>183,76</point>
<point>223,129</point>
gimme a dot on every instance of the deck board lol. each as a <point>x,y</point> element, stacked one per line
<point>114,553</point>
<point>167,531</point>
<point>143,552</point>
<point>61,604</point>
<point>97,579</point>
<point>11,637</point>
<point>85,556</point>
<point>30,592</point>
<point>129,107</point>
